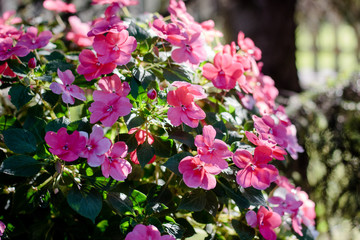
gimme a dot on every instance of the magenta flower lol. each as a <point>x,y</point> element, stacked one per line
<point>113,84</point>
<point>59,6</point>
<point>266,220</point>
<point>115,165</point>
<point>197,173</point>
<point>196,90</point>
<point>115,47</point>
<point>224,73</point>
<point>96,146</point>
<point>2,228</point>
<point>90,66</point>
<point>32,40</point>
<point>184,109</point>
<point>122,3</point>
<point>170,32</point>
<point>66,146</point>
<point>66,89</point>
<point>78,33</point>
<point>268,129</point>
<point>107,108</point>
<point>211,150</point>
<point>112,24</point>
<point>191,49</point>
<point>142,232</point>
<point>141,136</point>
<point>255,170</point>
<point>7,50</point>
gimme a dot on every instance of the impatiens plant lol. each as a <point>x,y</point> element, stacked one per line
<point>127,128</point>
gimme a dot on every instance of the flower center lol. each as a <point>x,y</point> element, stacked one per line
<point>98,64</point>
<point>33,41</point>
<point>110,108</point>
<point>116,48</point>
<point>89,147</point>
<point>183,107</point>
<point>188,48</point>
<point>66,147</point>
<point>211,150</point>
<point>198,167</point>
<point>252,167</point>
<point>222,73</point>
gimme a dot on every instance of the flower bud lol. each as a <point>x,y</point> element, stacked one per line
<point>152,94</point>
<point>32,63</point>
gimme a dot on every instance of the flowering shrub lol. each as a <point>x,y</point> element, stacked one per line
<point>160,131</point>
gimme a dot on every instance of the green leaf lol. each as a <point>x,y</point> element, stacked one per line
<point>55,55</point>
<point>156,222</point>
<point>126,224</point>
<point>212,204</point>
<point>20,95</point>
<point>19,69</point>
<point>20,140</point>
<point>174,229</point>
<point>120,202</point>
<point>254,196</point>
<point>164,147</point>
<point>203,217</point>
<point>155,208</point>
<point>173,162</point>
<point>129,139</point>
<point>87,204</point>
<point>80,81</point>
<point>134,88</point>
<point>236,195</point>
<point>189,230</point>
<point>194,201</point>
<point>143,76</point>
<point>20,165</point>
<point>56,124</point>
<point>243,231</point>
<point>144,152</point>
<point>178,73</point>
<point>138,32</point>
<point>159,194</point>
<point>137,197</point>
<point>249,125</point>
<point>52,66</point>
<point>7,121</point>
<point>135,122</point>
<point>36,126</point>
<point>80,125</point>
<point>50,97</point>
<point>183,137</point>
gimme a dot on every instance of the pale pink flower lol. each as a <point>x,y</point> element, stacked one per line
<point>7,18</point>
<point>190,50</point>
<point>66,146</point>
<point>115,47</point>
<point>59,6</point>
<point>224,73</point>
<point>284,182</point>
<point>113,84</point>
<point>170,32</point>
<point>288,205</point>
<point>255,171</point>
<point>78,33</point>
<point>247,45</point>
<point>267,128</point>
<point>115,165</point>
<point>111,24</point>
<point>178,9</point>
<point>107,108</point>
<point>266,220</point>
<point>2,228</point>
<point>265,93</point>
<point>211,150</point>
<point>32,40</point>
<point>66,89</point>
<point>141,136</point>
<point>307,210</point>
<point>209,31</point>
<point>7,50</point>
<point>90,66</point>
<point>142,232</point>
<point>196,90</point>
<point>10,31</point>
<point>184,109</point>
<point>197,173</point>
<point>122,3</point>
<point>246,100</point>
<point>96,146</point>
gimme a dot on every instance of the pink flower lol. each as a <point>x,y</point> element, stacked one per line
<point>2,228</point>
<point>6,71</point>
<point>196,173</point>
<point>184,109</point>
<point>107,108</point>
<point>190,49</point>
<point>307,210</point>
<point>59,6</point>
<point>68,91</point>
<point>224,73</point>
<point>210,31</point>
<point>142,232</point>
<point>170,32</point>
<point>288,205</point>
<point>268,129</point>
<point>178,9</point>
<point>31,40</point>
<point>196,90</point>
<point>255,170</point>
<point>111,24</point>
<point>115,165</point>
<point>266,220</point>
<point>90,66</point>
<point>211,150</point>
<point>7,50</point>
<point>113,84</point>
<point>122,3</point>
<point>283,182</point>
<point>141,136</point>
<point>248,46</point>
<point>66,147</point>
<point>96,146</point>
<point>10,31</point>
<point>115,47</point>
<point>7,18</point>
<point>78,33</point>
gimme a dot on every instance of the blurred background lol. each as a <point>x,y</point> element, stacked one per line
<point>311,48</point>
